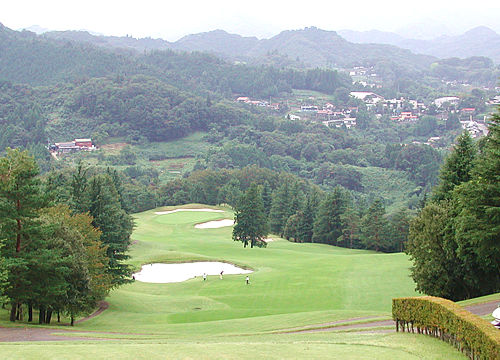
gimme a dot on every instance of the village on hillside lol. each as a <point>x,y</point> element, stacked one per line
<point>399,110</point>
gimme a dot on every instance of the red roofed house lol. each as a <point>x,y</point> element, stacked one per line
<point>83,143</point>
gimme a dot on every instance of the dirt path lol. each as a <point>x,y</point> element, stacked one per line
<point>103,305</point>
<point>38,334</point>
<point>483,308</point>
<point>10,334</point>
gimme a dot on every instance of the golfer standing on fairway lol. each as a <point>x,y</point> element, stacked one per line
<point>247,280</point>
<point>204,276</point>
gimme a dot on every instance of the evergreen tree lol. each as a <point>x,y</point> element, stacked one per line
<point>267,197</point>
<point>79,183</point>
<point>400,224</point>
<point>117,182</point>
<point>457,167</point>
<point>114,223</point>
<point>20,199</point>
<point>350,227</point>
<point>291,227</point>
<point>280,208</point>
<point>374,228</point>
<point>251,224</point>
<point>328,223</point>
<point>305,223</point>
<point>479,221</point>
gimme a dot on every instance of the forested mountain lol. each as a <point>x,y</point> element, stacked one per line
<point>480,41</point>
<point>70,55</point>
<point>28,58</point>
<point>218,42</point>
<point>120,42</point>
<point>306,48</point>
<point>313,46</point>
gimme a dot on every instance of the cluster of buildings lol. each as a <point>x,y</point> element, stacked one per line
<point>398,107</point>
<point>329,115</point>
<point>400,110</point>
<point>475,128</point>
<point>72,146</point>
<point>262,103</point>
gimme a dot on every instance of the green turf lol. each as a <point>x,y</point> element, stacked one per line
<point>293,285</point>
<point>314,346</point>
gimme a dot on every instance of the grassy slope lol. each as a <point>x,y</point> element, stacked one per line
<point>293,285</point>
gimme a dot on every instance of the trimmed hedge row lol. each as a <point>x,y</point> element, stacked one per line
<point>450,322</point>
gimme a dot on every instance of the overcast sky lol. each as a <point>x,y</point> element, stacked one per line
<point>171,20</point>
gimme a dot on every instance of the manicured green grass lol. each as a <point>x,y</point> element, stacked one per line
<point>313,346</point>
<point>293,285</point>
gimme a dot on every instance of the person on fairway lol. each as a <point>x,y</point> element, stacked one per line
<point>204,276</point>
<point>247,280</point>
<point>220,275</point>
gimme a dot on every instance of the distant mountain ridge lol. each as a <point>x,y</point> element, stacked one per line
<point>479,41</point>
<point>312,46</point>
<point>122,42</point>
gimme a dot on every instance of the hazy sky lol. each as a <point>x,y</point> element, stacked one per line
<point>171,20</point>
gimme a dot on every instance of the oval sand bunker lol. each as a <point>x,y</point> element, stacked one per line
<point>168,273</point>
<point>179,210</point>
<point>215,224</point>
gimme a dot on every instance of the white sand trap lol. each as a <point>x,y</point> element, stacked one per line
<point>177,210</point>
<point>268,240</point>
<point>169,273</point>
<point>215,224</point>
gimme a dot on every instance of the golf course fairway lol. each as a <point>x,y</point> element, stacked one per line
<point>293,287</point>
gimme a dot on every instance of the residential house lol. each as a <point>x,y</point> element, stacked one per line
<point>446,99</point>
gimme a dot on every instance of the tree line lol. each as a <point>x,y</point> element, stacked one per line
<point>293,208</point>
<point>453,241</point>
<point>62,241</point>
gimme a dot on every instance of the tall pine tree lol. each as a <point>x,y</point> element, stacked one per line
<point>114,223</point>
<point>374,227</point>
<point>20,200</point>
<point>456,168</point>
<point>479,221</point>
<point>328,223</point>
<point>251,226</point>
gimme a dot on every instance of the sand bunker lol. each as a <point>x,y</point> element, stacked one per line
<point>177,210</point>
<point>215,224</point>
<point>169,273</point>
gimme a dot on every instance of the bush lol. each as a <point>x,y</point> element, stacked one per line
<point>444,319</point>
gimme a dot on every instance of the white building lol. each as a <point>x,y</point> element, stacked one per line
<point>446,99</point>
<point>367,96</point>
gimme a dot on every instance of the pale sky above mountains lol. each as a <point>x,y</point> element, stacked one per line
<point>171,20</point>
